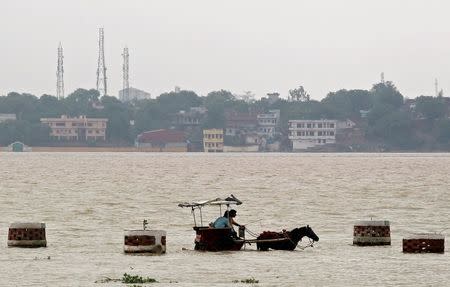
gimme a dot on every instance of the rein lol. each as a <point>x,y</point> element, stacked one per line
<point>310,244</point>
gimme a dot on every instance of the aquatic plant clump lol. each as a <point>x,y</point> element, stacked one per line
<point>247,281</point>
<point>129,279</point>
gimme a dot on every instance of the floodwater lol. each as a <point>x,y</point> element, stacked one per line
<point>87,201</point>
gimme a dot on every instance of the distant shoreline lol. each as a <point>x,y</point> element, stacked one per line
<point>104,149</point>
<point>183,150</point>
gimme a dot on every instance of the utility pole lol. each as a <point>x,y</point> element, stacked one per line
<point>101,68</point>
<point>60,74</point>
<point>125,68</point>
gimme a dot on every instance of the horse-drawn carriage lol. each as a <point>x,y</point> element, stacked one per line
<point>209,238</point>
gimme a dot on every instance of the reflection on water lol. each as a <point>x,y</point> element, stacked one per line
<point>88,199</point>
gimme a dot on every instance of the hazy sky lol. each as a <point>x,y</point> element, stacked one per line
<point>238,45</point>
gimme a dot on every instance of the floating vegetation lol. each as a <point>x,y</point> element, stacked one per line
<point>129,279</point>
<point>107,280</point>
<point>247,281</point>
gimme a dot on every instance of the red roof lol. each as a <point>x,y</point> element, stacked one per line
<point>162,136</point>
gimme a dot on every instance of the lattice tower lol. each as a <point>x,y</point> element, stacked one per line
<point>60,74</point>
<point>125,68</point>
<point>101,67</point>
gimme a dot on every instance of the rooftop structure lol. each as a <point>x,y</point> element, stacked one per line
<point>193,117</point>
<point>130,94</point>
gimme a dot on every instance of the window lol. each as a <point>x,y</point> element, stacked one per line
<point>319,126</point>
<point>311,134</point>
<point>299,125</point>
<point>60,124</point>
<point>308,126</point>
<point>319,133</point>
<point>332,126</point>
<point>331,133</point>
<point>298,133</point>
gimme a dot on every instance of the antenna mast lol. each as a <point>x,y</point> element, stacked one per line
<point>126,83</point>
<point>101,68</point>
<point>382,77</point>
<point>436,87</point>
<point>60,74</point>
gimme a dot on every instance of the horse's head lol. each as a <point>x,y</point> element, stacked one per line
<point>304,231</point>
<point>311,234</point>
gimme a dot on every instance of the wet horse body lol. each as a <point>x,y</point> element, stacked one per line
<point>291,238</point>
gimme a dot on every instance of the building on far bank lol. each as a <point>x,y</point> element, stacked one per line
<point>306,134</point>
<point>130,94</point>
<point>191,118</point>
<point>239,123</point>
<point>213,140</point>
<point>268,124</point>
<point>77,129</point>
<point>162,140</point>
<point>7,117</point>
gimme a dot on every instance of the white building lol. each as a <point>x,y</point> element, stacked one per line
<point>7,117</point>
<point>268,123</point>
<point>130,94</point>
<point>306,134</point>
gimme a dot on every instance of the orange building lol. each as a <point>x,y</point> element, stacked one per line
<point>77,129</point>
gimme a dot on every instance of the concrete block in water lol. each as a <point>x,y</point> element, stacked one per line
<point>27,234</point>
<point>145,241</point>
<point>424,243</point>
<point>371,233</point>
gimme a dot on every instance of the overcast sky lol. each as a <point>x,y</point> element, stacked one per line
<point>238,45</point>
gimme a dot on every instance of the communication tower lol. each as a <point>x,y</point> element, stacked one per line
<point>436,88</point>
<point>126,83</point>
<point>101,68</point>
<point>60,74</point>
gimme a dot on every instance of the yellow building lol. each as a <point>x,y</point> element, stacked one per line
<point>213,140</point>
<point>77,129</point>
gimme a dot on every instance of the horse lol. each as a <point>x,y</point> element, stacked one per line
<point>292,238</point>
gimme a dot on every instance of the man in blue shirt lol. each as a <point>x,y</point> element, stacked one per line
<point>227,220</point>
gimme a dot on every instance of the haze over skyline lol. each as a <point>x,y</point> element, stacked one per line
<point>200,45</point>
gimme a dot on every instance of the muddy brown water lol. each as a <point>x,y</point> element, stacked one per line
<point>87,201</point>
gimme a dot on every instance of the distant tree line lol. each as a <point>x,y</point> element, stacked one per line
<point>389,122</point>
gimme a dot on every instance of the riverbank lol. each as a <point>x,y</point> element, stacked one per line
<point>105,149</point>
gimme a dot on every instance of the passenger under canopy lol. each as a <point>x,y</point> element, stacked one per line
<point>214,239</point>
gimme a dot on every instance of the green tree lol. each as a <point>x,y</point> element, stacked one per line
<point>24,106</point>
<point>387,94</point>
<point>347,103</point>
<point>443,131</point>
<point>50,107</point>
<point>80,102</point>
<point>217,102</point>
<point>119,116</point>
<point>431,107</point>
<point>394,128</point>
